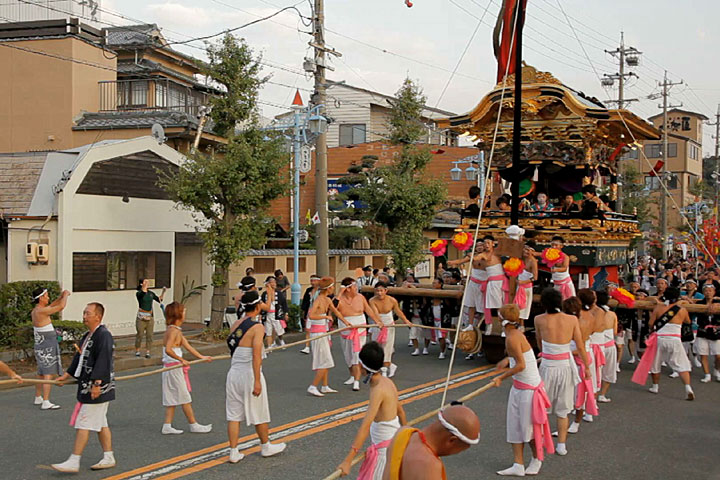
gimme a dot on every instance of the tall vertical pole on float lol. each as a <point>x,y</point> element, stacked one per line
<point>517,118</point>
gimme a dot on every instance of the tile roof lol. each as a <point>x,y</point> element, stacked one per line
<point>279,252</point>
<point>132,35</point>
<point>133,119</point>
<point>19,176</point>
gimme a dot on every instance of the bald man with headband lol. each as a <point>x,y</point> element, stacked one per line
<point>415,454</point>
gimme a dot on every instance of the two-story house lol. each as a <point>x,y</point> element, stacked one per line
<point>68,84</point>
<point>684,161</point>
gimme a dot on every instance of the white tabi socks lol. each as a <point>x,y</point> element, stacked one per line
<point>38,401</point>
<point>108,461</point>
<point>690,393</point>
<point>534,467</point>
<point>167,429</point>
<point>706,378</point>
<point>349,381</point>
<point>384,371</point>
<point>269,449</point>
<point>392,370</point>
<point>574,427</point>
<point>71,465</point>
<point>197,428</point>
<point>655,388</point>
<point>235,455</point>
<point>561,450</point>
<point>517,470</point>
<point>356,386</point>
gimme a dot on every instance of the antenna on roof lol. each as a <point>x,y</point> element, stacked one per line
<point>158,133</point>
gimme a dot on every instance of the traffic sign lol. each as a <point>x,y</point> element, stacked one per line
<point>303,236</point>
<point>305,159</point>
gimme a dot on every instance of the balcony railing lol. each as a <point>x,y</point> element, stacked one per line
<point>150,94</point>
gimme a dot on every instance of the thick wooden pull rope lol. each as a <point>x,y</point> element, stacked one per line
<point>226,356</point>
<point>358,458</point>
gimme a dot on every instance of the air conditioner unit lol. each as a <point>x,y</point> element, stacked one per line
<point>43,252</point>
<point>31,252</point>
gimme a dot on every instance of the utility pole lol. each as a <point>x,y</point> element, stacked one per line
<point>666,85</point>
<point>319,97</point>
<point>517,116</point>
<point>626,56</point>
<point>716,175</point>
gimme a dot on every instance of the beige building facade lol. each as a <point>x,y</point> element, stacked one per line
<point>684,162</point>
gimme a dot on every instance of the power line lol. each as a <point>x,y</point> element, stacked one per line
<point>462,55</point>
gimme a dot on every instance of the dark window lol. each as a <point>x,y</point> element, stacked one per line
<point>120,270</point>
<point>264,265</point>
<point>356,262</point>
<point>686,123</point>
<point>655,150</point>
<point>289,265</point>
<point>352,134</point>
<point>88,272</point>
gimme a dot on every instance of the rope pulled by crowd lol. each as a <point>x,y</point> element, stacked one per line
<point>33,381</point>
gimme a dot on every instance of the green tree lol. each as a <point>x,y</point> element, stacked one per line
<point>635,198</point>
<point>399,195</point>
<point>229,190</point>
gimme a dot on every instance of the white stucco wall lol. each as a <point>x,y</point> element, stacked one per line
<point>18,268</point>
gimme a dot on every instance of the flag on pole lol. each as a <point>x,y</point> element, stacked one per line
<point>308,217</point>
<point>316,219</point>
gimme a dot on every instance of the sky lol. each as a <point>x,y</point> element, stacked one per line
<point>383,41</point>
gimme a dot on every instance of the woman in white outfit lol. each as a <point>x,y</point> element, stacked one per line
<point>521,365</point>
<point>610,326</point>
<point>245,389</point>
<point>176,382</point>
<point>383,418</point>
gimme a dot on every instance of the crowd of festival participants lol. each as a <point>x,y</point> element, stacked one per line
<point>580,338</point>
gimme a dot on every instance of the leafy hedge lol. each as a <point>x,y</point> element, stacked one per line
<point>16,304</point>
<point>69,333</point>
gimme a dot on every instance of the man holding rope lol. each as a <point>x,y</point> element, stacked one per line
<point>382,420</point>
<point>385,305</point>
<point>245,389</point>
<point>497,290</point>
<point>415,454</point>
<point>319,322</point>
<point>47,348</point>
<point>353,307</point>
<point>527,418</point>
<point>93,368</point>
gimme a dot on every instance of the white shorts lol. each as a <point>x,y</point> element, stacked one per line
<point>474,297</point>
<point>671,351</point>
<point>703,346</point>
<point>92,416</point>
<point>416,333</point>
<point>271,323</point>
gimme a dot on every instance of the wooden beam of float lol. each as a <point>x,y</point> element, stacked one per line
<point>647,304</point>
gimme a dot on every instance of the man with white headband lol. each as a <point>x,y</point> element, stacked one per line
<point>319,320</point>
<point>527,418</point>
<point>246,396</point>
<point>415,454</point>
<point>382,420</point>
<point>353,308</point>
<point>47,349</point>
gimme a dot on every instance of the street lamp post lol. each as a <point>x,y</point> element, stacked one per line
<point>307,123</point>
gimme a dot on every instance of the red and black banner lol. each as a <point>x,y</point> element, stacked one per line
<point>503,35</point>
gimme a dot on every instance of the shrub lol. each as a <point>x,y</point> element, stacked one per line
<point>16,304</point>
<point>69,334</point>
<point>294,314</point>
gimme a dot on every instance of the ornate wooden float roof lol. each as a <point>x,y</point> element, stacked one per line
<point>560,125</point>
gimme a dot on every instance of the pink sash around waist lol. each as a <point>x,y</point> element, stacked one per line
<point>383,335</point>
<point>555,356</point>
<point>565,287</point>
<point>541,425</point>
<point>643,369</point>
<point>501,278</point>
<point>367,469</point>
<point>585,398</point>
<point>75,413</point>
<point>609,344</point>
<point>521,296</point>
<point>354,336</point>
<point>483,288</point>
<point>185,369</point>
<point>599,355</point>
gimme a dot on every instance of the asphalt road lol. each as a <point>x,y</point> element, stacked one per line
<point>638,435</point>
